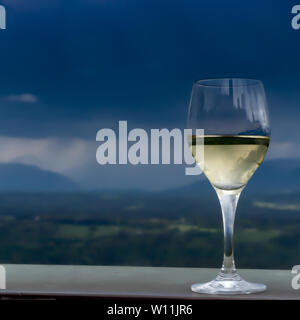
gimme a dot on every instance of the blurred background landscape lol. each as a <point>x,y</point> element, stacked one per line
<point>175,227</point>
<point>69,70</point>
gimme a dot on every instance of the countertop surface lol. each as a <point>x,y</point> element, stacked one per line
<point>131,282</point>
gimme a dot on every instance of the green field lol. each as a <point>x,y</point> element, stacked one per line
<point>98,229</point>
<point>142,242</point>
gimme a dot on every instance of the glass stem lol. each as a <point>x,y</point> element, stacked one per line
<point>228,200</point>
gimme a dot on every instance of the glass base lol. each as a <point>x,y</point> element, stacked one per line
<point>224,284</point>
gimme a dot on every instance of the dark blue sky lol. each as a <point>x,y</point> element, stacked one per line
<point>86,64</point>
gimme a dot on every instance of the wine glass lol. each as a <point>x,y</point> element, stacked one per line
<point>234,116</point>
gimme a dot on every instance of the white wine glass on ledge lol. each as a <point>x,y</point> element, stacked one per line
<point>234,116</point>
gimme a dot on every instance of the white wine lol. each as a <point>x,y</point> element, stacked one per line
<point>228,161</point>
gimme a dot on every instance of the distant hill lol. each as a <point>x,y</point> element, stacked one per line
<point>20,177</point>
<point>280,176</point>
<point>276,176</point>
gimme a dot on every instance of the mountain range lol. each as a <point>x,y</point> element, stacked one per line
<point>280,176</point>
<point>21,177</point>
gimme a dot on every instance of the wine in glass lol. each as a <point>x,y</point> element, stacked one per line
<point>234,116</point>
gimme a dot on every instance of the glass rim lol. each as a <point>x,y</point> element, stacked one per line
<point>227,82</point>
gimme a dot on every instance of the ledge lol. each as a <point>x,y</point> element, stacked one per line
<point>130,282</point>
